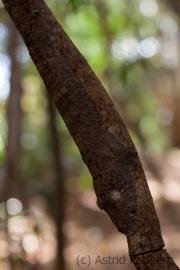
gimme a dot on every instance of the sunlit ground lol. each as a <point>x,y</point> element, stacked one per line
<point>30,235</point>
<point>27,232</point>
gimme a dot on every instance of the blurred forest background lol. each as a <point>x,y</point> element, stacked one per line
<point>48,212</point>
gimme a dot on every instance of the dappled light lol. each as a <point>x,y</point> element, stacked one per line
<point>49,217</point>
<point>22,55</point>
<point>170,53</point>
<point>17,226</point>
<point>148,125</point>
<point>30,243</point>
<point>148,8</point>
<point>4,250</point>
<point>3,31</point>
<point>14,206</point>
<point>148,47</point>
<point>28,141</point>
<point>171,189</point>
<point>94,235</point>
<point>174,158</point>
<point>127,49</point>
<point>165,115</point>
<point>4,76</point>
<point>169,25</point>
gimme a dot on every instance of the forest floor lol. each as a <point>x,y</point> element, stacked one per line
<point>91,239</point>
<point>90,232</point>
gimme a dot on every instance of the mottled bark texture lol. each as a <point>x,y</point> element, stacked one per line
<point>95,125</point>
<point>158,260</point>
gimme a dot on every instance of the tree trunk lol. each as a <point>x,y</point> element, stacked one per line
<point>59,184</point>
<point>175,5</point>
<point>96,127</point>
<point>14,114</point>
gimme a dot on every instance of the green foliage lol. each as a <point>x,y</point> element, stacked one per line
<point>85,181</point>
<point>133,47</point>
<point>123,46</point>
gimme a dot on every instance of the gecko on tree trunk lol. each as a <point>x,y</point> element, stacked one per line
<point>96,127</point>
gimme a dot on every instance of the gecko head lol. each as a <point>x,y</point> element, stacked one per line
<point>115,195</point>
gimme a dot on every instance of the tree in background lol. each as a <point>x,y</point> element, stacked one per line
<point>97,129</point>
<point>127,78</point>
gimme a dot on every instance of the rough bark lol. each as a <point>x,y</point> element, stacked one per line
<point>95,125</point>
<point>158,260</point>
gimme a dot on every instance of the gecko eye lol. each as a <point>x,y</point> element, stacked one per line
<point>115,195</point>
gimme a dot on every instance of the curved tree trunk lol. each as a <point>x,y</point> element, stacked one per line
<point>98,130</point>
